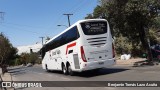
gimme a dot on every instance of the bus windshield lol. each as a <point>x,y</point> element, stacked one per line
<point>94,28</point>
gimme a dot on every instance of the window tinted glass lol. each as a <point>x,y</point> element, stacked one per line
<point>70,35</point>
<point>65,38</point>
<point>42,52</point>
<point>94,28</point>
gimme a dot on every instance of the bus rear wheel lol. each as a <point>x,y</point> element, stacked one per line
<point>64,70</point>
<point>70,72</point>
<point>46,68</point>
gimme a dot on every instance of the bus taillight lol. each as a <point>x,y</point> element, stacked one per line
<point>113,52</point>
<point>83,54</point>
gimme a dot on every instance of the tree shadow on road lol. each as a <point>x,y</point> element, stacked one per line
<point>17,71</point>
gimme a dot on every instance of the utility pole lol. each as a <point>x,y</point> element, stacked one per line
<point>31,50</point>
<point>1,15</point>
<point>42,40</point>
<point>63,25</point>
<point>68,15</point>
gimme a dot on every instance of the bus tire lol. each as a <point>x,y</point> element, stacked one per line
<point>46,68</point>
<point>64,70</point>
<point>70,72</point>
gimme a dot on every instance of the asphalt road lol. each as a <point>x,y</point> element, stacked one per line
<point>115,73</point>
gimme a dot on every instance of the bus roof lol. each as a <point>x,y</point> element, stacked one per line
<point>80,21</point>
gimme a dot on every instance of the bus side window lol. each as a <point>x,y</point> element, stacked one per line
<point>70,51</point>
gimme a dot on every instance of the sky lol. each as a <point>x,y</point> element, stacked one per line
<point>27,20</point>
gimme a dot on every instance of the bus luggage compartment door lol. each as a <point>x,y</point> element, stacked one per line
<point>76,61</point>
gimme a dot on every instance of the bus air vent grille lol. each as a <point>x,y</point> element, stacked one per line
<point>99,41</point>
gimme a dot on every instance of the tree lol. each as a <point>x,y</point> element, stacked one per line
<point>7,51</point>
<point>130,18</point>
<point>33,58</point>
<point>28,58</point>
<point>24,58</point>
<point>122,45</point>
<point>154,31</point>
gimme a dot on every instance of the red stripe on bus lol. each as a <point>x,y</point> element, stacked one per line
<point>69,46</point>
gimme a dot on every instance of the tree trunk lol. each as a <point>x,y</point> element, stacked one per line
<point>144,42</point>
<point>1,63</point>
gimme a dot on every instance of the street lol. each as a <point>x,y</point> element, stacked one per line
<point>114,73</point>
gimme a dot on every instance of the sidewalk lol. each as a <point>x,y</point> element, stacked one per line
<point>7,77</point>
<point>129,62</point>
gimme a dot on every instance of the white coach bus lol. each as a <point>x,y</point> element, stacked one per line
<point>86,45</point>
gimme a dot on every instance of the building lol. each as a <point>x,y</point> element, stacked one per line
<point>29,48</point>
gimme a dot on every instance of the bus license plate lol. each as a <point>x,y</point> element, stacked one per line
<point>101,63</point>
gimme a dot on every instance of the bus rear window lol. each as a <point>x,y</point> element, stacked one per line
<point>94,28</point>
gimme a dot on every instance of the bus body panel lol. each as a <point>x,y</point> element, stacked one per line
<point>97,55</point>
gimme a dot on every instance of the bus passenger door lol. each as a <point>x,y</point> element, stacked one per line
<point>51,62</point>
<point>58,59</point>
